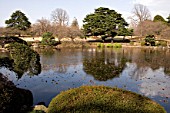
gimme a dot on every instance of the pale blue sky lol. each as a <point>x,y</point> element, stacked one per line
<point>36,9</point>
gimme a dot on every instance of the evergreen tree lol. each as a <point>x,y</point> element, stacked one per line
<point>18,21</point>
<point>103,22</point>
<point>75,23</point>
<point>159,18</point>
<point>168,20</point>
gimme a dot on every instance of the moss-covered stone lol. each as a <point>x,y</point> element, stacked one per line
<point>101,99</point>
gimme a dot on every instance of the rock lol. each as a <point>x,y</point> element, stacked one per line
<point>40,108</point>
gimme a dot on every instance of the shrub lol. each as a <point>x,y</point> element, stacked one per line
<point>142,43</point>
<point>117,45</point>
<point>109,45</point>
<point>25,59</point>
<point>48,39</point>
<point>131,43</point>
<point>100,45</point>
<point>150,39</point>
<point>162,43</point>
<point>101,99</point>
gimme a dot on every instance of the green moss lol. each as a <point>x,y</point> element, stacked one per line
<point>101,99</point>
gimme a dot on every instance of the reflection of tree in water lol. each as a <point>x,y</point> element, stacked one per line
<point>46,52</point>
<point>24,60</point>
<point>104,65</point>
<point>62,68</point>
<point>13,99</point>
<point>153,59</point>
<point>144,59</point>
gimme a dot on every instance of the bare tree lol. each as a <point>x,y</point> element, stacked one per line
<point>165,34</point>
<point>150,28</point>
<point>1,31</point>
<point>43,25</point>
<point>140,14</point>
<point>74,32</point>
<point>60,17</point>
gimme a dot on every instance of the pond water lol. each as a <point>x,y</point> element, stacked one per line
<point>144,71</point>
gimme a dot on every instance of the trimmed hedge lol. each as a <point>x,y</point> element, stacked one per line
<point>101,99</point>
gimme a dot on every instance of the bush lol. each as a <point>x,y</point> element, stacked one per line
<point>162,43</point>
<point>48,39</point>
<point>131,43</point>
<point>101,99</point>
<point>25,59</point>
<point>109,45</point>
<point>142,43</point>
<point>117,45</point>
<point>100,45</point>
<point>150,39</point>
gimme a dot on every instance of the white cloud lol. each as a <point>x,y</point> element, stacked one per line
<point>153,82</point>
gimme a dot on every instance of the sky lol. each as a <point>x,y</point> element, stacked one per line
<point>38,9</point>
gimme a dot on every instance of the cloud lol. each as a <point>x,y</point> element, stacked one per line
<point>153,82</point>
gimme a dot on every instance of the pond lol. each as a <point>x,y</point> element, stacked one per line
<point>144,71</point>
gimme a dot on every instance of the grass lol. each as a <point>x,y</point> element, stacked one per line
<point>101,99</point>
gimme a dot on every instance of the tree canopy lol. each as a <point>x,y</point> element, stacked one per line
<point>18,21</point>
<point>103,22</point>
<point>159,18</point>
<point>75,23</point>
<point>168,22</point>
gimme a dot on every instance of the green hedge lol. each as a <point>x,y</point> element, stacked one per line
<point>101,99</point>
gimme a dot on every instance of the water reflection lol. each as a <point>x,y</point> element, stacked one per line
<point>60,61</point>
<point>144,71</point>
<point>154,82</point>
<point>105,64</point>
<point>151,58</point>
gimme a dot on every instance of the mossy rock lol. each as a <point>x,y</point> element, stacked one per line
<point>101,99</point>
